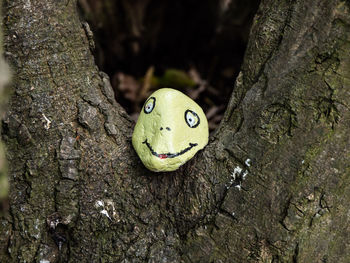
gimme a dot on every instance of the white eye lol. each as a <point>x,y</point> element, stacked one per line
<point>149,105</point>
<point>191,119</point>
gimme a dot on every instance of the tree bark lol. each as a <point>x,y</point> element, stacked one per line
<point>271,186</point>
<point>4,79</point>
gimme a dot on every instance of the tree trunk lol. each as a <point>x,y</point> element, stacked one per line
<point>4,79</point>
<point>271,186</point>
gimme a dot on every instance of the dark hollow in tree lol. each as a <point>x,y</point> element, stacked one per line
<point>135,38</point>
<point>271,186</point>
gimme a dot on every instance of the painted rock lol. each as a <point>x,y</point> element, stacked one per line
<point>170,130</point>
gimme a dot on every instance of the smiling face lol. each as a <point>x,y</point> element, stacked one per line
<point>170,130</point>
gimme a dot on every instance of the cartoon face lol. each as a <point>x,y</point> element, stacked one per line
<point>170,130</point>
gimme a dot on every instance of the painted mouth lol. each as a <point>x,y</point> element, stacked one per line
<point>169,155</point>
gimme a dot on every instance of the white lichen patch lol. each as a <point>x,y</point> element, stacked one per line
<point>99,203</point>
<point>48,122</point>
<point>104,212</point>
<point>239,187</point>
<point>244,175</point>
<point>236,172</point>
<point>234,175</point>
<point>107,209</point>
<point>110,206</point>
<point>44,261</point>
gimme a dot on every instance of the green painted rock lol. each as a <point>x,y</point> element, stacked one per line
<point>170,130</point>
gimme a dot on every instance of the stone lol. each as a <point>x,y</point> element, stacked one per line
<point>170,130</point>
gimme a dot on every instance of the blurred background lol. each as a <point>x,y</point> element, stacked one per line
<point>195,46</point>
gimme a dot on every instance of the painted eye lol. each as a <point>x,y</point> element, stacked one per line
<point>149,105</point>
<point>191,119</point>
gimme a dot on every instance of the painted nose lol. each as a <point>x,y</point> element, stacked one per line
<point>161,128</point>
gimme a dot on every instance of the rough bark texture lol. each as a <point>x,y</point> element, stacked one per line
<point>4,79</point>
<point>271,186</point>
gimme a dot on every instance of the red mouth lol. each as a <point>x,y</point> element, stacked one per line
<point>162,156</point>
